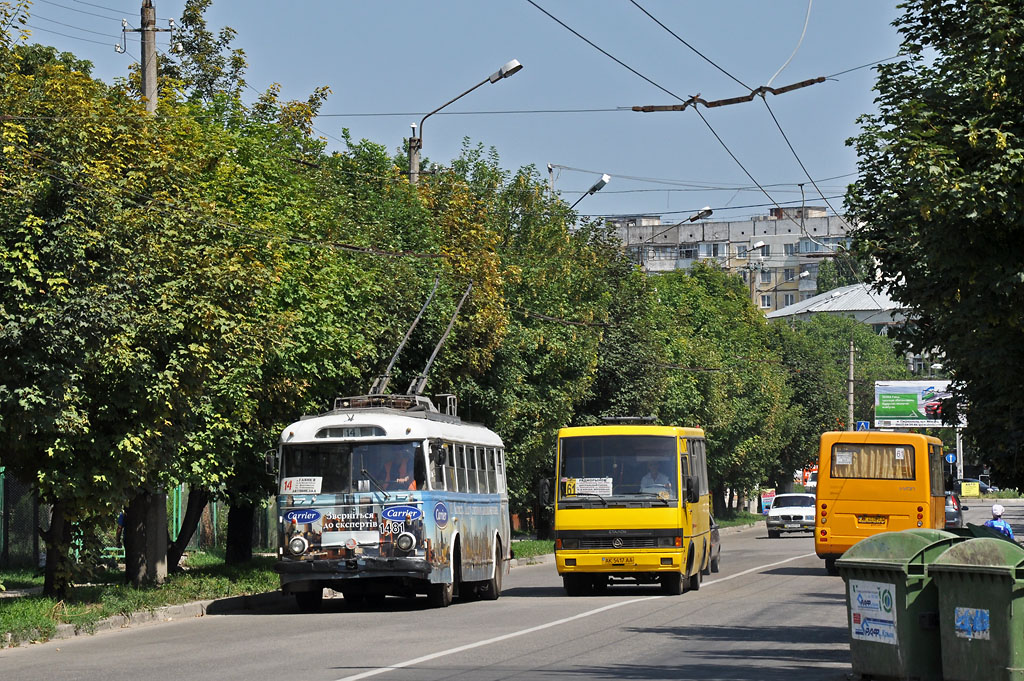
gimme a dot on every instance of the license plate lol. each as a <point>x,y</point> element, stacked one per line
<point>791,525</point>
<point>617,560</point>
<point>871,519</point>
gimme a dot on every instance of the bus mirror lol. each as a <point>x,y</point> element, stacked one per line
<point>270,459</point>
<point>691,491</point>
<point>544,491</point>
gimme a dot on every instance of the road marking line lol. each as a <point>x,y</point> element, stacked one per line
<point>757,569</point>
<point>541,627</point>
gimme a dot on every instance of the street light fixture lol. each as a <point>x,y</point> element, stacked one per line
<point>598,186</point>
<point>416,143</point>
<point>703,213</point>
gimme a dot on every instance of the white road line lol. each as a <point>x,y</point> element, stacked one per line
<point>541,627</point>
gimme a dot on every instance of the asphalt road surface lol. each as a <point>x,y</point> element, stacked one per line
<point>770,614</point>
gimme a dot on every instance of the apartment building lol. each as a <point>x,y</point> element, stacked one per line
<point>777,254</point>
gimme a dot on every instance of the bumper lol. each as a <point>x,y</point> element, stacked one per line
<point>790,525</point>
<point>619,562</point>
<point>352,568</point>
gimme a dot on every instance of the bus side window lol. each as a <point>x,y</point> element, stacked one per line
<point>449,468</point>
<point>460,462</point>
<point>500,470</point>
<point>471,473</point>
<point>492,476</point>
<point>437,458</point>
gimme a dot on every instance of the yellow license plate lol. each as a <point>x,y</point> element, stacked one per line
<point>617,560</point>
<point>871,519</point>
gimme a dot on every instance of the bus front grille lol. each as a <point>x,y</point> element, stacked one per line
<point>626,543</point>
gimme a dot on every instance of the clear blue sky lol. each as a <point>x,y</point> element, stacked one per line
<point>402,57</point>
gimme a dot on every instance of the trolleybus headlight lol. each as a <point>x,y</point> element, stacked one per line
<point>297,545</point>
<point>405,541</point>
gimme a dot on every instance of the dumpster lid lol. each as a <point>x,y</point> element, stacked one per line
<point>985,554</point>
<point>897,550</point>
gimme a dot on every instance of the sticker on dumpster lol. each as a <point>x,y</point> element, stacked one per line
<point>872,614</point>
<point>971,623</point>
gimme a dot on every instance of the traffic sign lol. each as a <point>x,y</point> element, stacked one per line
<point>863,425</point>
<point>951,457</point>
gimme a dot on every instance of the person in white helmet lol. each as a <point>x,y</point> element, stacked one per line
<point>997,522</point>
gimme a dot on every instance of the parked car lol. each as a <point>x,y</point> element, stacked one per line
<point>716,546</point>
<point>954,511</point>
<point>790,513</point>
<point>983,487</point>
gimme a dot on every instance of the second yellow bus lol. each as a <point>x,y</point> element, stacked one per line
<point>875,481</point>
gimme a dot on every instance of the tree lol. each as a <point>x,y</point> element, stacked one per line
<point>940,199</point>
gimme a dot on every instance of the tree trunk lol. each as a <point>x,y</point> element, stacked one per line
<point>57,572</point>
<point>718,501</point>
<point>145,539</point>
<point>197,500</point>
<point>239,542</point>
<point>134,535</point>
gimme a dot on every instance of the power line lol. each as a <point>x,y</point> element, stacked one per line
<point>694,49</point>
<point>82,11</point>
<point>84,30</point>
<point>66,35</point>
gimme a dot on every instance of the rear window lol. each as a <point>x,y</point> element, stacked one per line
<point>873,461</point>
<point>793,501</point>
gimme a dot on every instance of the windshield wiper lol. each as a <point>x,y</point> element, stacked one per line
<point>587,494</point>
<point>376,484</point>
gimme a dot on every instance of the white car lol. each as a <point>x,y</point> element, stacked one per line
<point>790,513</point>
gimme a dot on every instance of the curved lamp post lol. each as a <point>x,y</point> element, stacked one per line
<point>416,143</point>
<point>598,186</point>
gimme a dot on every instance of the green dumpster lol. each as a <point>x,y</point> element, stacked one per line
<point>892,605</point>
<point>980,584</point>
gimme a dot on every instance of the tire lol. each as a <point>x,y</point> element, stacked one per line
<point>491,590</point>
<point>309,601</point>
<point>672,583</point>
<point>599,584</point>
<point>694,582</point>
<point>715,562</point>
<point>706,570</point>
<point>440,595</point>
<point>774,534</point>
<point>576,585</point>
<point>830,567</point>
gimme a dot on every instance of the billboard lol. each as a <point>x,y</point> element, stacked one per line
<point>910,404</point>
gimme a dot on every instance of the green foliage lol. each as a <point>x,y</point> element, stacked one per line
<point>940,199</point>
<point>531,548</point>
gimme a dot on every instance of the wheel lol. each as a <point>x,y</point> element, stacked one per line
<point>309,601</point>
<point>693,584</point>
<point>830,566</point>
<point>576,585</point>
<point>672,583</point>
<point>492,587</point>
<point>706,570</point>
<point>440,595</point>
<point>599,584</point>
<point>774,534</point>
<point>715,562</point>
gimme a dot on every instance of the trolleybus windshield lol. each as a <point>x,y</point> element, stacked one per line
<point>344,467</point>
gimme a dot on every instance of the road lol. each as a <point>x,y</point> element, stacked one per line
<point>770,614</point>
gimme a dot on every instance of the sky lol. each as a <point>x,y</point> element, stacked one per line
<point>389,62</point>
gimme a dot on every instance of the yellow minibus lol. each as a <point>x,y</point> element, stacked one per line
<point>632,505</point>
<point>874,481</point>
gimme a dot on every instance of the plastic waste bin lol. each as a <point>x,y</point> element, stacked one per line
<point>892,605</point>
<point>980,585</point>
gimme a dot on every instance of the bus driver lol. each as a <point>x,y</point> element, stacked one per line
<point>654,481</point>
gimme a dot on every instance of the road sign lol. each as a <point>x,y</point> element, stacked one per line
<point>863,425</point>
<point>951,457</point>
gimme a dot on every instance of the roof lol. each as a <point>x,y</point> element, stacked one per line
<point>855,298</point>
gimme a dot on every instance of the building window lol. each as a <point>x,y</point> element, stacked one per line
<point>788,299</point>
<point>766,250</point>
<point>789,274</point>
<point>688,251</point>
<point>806,296</point>
<point>741,251</point>
<point>766,275</point>
<point>712,250</point>
<point>766,301</point>
<point>790,249</point>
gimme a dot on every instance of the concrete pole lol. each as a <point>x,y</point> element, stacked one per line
<point>850,425</point>
<point>149,54</point>
<point>415,144</point>
<point>959,454</point>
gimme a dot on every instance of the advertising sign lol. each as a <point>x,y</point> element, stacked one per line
<point>910,404</point>
<point>872,615</point>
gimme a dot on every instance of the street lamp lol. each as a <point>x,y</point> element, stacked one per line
<point>598,186</point>
<point>416,143</point>
<point>703,213</point>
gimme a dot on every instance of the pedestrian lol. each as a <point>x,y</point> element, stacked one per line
<point>997,522</point>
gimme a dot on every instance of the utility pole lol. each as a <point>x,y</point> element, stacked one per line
<point>415,144</point>
<point>849,393</point>
<point>149,54</point>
